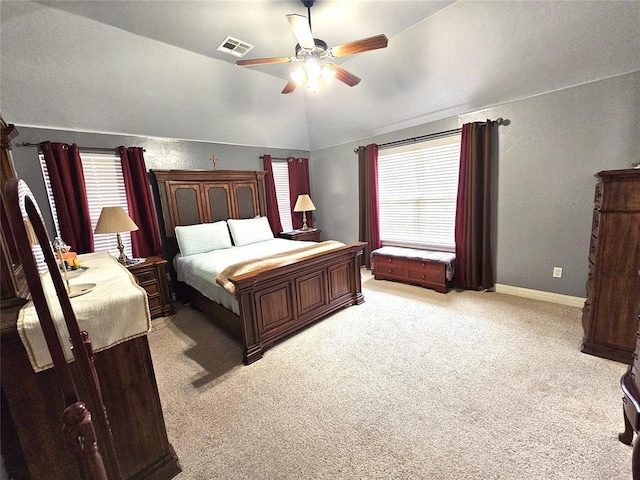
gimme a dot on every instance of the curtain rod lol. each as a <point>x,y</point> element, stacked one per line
<point>498,121</point>
<point>288,159</point>
<point>92,149</point>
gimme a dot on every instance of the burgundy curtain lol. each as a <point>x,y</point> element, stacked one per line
<point>299,184</point>
<point>273,215</point>
<point>70,194</point>
<point>145,242</point>
<point>473,209</point>
<point>368,198</point>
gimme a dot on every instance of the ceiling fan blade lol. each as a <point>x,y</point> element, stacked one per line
<point>344,76</point>
<point>262,61</point>
<point>301,30</point>
<point>364,45</point>
<point>289,87</point>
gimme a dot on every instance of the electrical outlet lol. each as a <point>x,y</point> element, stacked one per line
<point>557,272</point>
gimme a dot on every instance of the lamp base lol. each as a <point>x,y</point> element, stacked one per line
<point>304,221</point>
<point>122,258</point>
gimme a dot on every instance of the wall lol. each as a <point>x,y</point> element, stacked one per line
<point>160,153</point>
<point>546,160</point>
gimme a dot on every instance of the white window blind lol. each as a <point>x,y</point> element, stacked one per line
<point>417,190</point>
<point>281,179</point>
<point>52,203</point>
<point>105,188</point>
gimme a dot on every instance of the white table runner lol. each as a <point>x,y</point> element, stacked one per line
<point>115,311</point>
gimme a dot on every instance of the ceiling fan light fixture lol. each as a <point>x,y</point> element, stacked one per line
<point>327,74</point>
<point>312,66</point>
<point>298,75</point>
<point>315,56</point>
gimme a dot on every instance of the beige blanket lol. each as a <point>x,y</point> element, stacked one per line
<point>272,261</point>
<point>115,311</point>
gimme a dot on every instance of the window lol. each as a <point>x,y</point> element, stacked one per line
<point>105,187</point>
<point>281,179</point>
<point>417,190</point>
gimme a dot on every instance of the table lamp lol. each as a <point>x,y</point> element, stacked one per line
<point>115,220</point>
<point>304,205</point>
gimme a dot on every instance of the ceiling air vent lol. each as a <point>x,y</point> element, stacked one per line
<point>234,47</point>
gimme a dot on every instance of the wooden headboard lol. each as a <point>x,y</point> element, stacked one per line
<point>187,197</point>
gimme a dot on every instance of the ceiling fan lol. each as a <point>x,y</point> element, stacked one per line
<point>315,55</point>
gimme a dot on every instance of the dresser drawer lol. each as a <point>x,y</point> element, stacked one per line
<point>145,277</point>
<point>622,195</point>
<point>428,277</point>
<point>425,266</point>
<point>589,284</point>
<point>597,198</point>
<point>391,272</point>
<point>395,262</point>
<point>391,266</point>
<point>424,271</point>
<point>151,288</point>
<point>155,303</point>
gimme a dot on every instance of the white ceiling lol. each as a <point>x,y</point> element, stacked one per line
<point>151,67</point>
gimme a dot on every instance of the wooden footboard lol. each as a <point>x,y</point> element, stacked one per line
<point>277,302</point>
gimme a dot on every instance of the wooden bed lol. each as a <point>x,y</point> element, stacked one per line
<point>273,302</point>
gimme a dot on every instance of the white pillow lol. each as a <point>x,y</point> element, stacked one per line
<point>203,237</point>
<point>250,230</point>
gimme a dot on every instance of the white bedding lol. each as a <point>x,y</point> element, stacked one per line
<point>200,270</point>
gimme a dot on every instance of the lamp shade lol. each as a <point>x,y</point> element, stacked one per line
<point>114,220</point>
<point>304,204</point>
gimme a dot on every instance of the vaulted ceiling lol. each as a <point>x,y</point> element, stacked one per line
<point>151,67</point>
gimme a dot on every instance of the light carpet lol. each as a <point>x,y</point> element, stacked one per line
<point>412,384</point>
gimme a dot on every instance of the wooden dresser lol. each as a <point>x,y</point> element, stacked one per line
<point>613,287</point>
<point>33,444</point>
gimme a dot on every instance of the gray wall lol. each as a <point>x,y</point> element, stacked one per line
<point>160,153</point>
<point>546,160</point>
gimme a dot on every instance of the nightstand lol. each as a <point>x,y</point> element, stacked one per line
<point>313,234</point>
<point>151,275</point>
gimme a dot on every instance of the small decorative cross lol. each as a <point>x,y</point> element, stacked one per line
<point>214,159</point>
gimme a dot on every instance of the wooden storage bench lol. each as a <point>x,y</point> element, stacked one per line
<point>426,268</point>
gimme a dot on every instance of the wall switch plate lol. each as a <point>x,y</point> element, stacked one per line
<point>557,272</point>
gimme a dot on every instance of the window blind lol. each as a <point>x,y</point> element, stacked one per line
<point>105,188</point>
<point>52,203</point>
<point>417,190</point>
<point>281,179</point>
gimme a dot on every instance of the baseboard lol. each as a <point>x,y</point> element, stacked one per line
<point>540,295</point>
